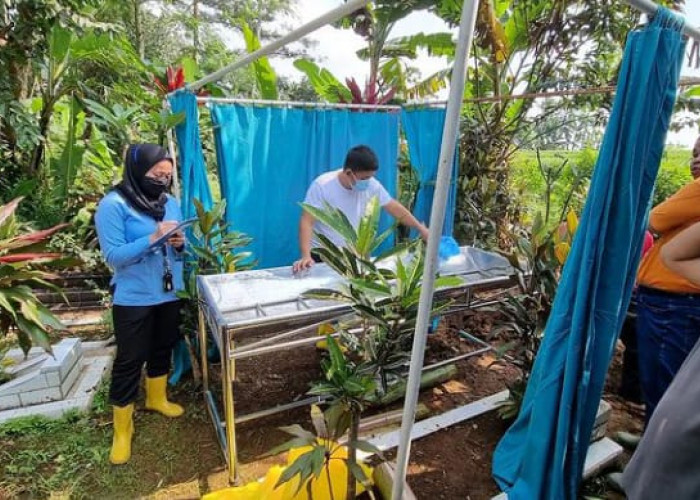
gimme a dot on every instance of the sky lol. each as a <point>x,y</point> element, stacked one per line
<point>336,48</point>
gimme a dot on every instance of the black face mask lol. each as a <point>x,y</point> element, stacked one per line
<point>143,194</point>
<point>153,188</point>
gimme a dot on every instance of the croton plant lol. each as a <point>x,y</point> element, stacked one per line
<point>23,269</point>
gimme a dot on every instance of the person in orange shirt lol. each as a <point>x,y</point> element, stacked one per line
<point>668,304</point>
<point>665,464</point>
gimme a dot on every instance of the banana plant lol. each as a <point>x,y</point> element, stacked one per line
<point>21,254</point>
<point>68,54</point>
<point>389,69</point>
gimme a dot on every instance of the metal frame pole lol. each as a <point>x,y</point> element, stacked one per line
<point>650,8</point>
<point>327,18</point>
<point>437,216</point>
<point>173,155</point>
<point>227,378</point>
<point>297,104</point>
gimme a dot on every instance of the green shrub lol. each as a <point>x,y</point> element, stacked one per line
<point>527,184</point>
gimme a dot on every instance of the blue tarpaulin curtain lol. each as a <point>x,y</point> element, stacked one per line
<point>423,129</point>
<point>193,173</point>
<point>542,454</point>
<point>193,185</point>
<point>268,157</point>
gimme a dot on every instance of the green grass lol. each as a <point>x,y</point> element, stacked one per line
<point>70,456</point>
<point>40,456</point>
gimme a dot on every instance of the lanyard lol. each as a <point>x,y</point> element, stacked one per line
<point>167,271</point>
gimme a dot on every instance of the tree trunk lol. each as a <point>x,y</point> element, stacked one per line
<point>138,30</point>
<point>195,34</point>
<point>44,121</point>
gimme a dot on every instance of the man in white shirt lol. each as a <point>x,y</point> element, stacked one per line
<point>348,189</point>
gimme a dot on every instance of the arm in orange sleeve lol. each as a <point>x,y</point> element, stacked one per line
<point>680,209</point>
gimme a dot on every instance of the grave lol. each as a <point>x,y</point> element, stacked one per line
<point>51,385</point>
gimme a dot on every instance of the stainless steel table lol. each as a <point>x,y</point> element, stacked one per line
<point>251,313</point>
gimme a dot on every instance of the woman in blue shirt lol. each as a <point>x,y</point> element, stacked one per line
<point>146,311</point>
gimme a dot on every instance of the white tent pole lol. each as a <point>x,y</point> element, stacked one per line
<point>650,8</point>
<point>173,155</point>
<point>327,18</point>
<point>437,217</point>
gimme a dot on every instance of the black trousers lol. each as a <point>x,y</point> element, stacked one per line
<point>145,334</point>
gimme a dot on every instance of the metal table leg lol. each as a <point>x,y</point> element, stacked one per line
<point>227,376</point>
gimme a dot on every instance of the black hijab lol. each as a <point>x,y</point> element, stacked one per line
<point>139,160</point>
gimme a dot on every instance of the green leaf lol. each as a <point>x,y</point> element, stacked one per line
<point>692,92</point>
<point>430,85</point>
<point>331,258</point>
<point>5,304</point>
<point>37,335</point>
<point>292,443</point>
<point>322,389</point>
<point>264,74</point>
<point>334,219</point>
<point>65,168</point>
<point>30,312</point>
<point>501,6</point>
<point>353,387</point>
<point>59,44</point>
<point>301,467</point>
<point>358,473</point>
<point>326,294</point>
<point>323,82</point>
<point>338,363</point>
<point>370,313</point>
<point>371,286</point>
<point>49,319</point>
<point>190,68</point>
<point>368,447</point>
<point>298,431</point>
<point>367,229</point>
<point>435,44</point>
<point>448,281</point>
<point>338,418</point>
<point>318,460</point>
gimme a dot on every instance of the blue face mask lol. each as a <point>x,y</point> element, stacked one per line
<point>361,185</point>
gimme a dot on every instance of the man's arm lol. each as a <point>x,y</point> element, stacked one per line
<point>401,214</point>
<point>680,209</point>
<point>682,254</point>
<point>306,227</point>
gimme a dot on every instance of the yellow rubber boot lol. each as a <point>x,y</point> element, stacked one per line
<point>123,424</point>
<point>157,400</point>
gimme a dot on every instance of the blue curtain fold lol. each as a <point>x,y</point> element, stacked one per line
<point>543,453</point>
<point>193,185</point>
<point>268,157</point>
<point>193,173</point>
<point>423,130</point>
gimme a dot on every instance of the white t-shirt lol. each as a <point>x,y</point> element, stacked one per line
<point>326,188</point>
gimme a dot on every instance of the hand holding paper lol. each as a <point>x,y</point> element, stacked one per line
<point>162,229</point>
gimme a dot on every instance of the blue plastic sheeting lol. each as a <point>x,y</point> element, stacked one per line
<point>193,185</point>
<point>543,453</point>
<point>423,129</point>
<point>193,173</point>
<point>268,157</point>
